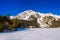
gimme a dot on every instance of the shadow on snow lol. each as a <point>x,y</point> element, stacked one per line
<point>19,29</point>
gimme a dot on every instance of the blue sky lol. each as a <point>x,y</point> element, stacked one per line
<point>16,6</point>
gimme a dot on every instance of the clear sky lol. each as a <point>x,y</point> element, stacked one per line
<point>16,6</point>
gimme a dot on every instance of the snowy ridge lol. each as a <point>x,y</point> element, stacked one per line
<point>26,14</point>
<point>40,17</point>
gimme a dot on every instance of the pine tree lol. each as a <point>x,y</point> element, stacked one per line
<point>1,28</point>
<point>14,25</point>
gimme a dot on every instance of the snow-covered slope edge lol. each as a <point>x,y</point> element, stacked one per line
<point>33,34</point>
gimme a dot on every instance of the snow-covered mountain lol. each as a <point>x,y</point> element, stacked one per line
<point>44,20</point>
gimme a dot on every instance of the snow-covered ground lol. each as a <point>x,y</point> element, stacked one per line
<point>33,34</point>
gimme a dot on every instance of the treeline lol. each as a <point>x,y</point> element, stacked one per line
<point>7,24</point>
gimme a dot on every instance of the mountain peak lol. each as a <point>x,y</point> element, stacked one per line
<point>26,14</point>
